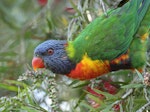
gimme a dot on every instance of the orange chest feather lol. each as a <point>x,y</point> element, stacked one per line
<point>88,69</point>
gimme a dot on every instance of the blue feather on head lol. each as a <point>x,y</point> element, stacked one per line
<point>54,56</point>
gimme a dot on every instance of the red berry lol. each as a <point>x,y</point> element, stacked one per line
<point>42,2</point>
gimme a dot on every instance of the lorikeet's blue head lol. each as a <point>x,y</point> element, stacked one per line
<point>52,55</point>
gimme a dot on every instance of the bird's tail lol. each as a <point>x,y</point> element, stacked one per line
<point>144,25</point>
<point>142,11</point>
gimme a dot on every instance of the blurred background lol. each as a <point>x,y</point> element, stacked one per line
<point>21,29</point>
<point>23,25</point>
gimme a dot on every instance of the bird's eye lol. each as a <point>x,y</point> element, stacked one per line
<point>50,51</point>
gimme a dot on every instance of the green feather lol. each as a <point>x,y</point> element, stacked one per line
<point>137,53</point>
<point>138,48</point>
<point>107,37</point>
<point>145,24</point>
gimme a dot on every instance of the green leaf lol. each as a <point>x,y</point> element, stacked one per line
<point>86,105</point>
<point>107,95</point>
<point>108,109</point>
<point>50,23</point>
<point>75,7</point>
<point>3,69</point>
<point>30,109</point>
<point>8,53</point>
<point>132,86</point>
<point>29,96</point>
<point>139,74</point>
<point>16,82</point>
<point>95,98</point>
<point>9,87</point>
<point>80,99</point>
<point>78,84</point>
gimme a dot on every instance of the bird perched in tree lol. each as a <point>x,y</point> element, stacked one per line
<point>100,48</point>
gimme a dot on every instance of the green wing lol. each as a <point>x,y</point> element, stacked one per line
<point>108,37</point>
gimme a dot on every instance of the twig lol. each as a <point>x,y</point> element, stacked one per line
<point>146,95</point>
<point>103,7</point>
<point>143,107</point>
<point>69,33</point>
<point>148,64</point>
<point>75,7</point>
<point>128,93</point>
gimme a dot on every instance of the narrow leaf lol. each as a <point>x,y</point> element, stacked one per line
<point>9,87</point>
<point>132,86</point>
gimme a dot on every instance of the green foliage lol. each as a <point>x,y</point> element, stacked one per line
<point>16,40</point>
<point>25,24</point>
<point>26,100</point>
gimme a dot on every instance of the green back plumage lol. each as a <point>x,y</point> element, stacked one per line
<point>107,37</point>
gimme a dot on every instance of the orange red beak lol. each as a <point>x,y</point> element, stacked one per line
<point>37,63</point>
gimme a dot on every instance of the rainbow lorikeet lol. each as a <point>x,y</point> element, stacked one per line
<point>99,48</point>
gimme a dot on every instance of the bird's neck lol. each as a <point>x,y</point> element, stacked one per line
<point>74,51</point>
